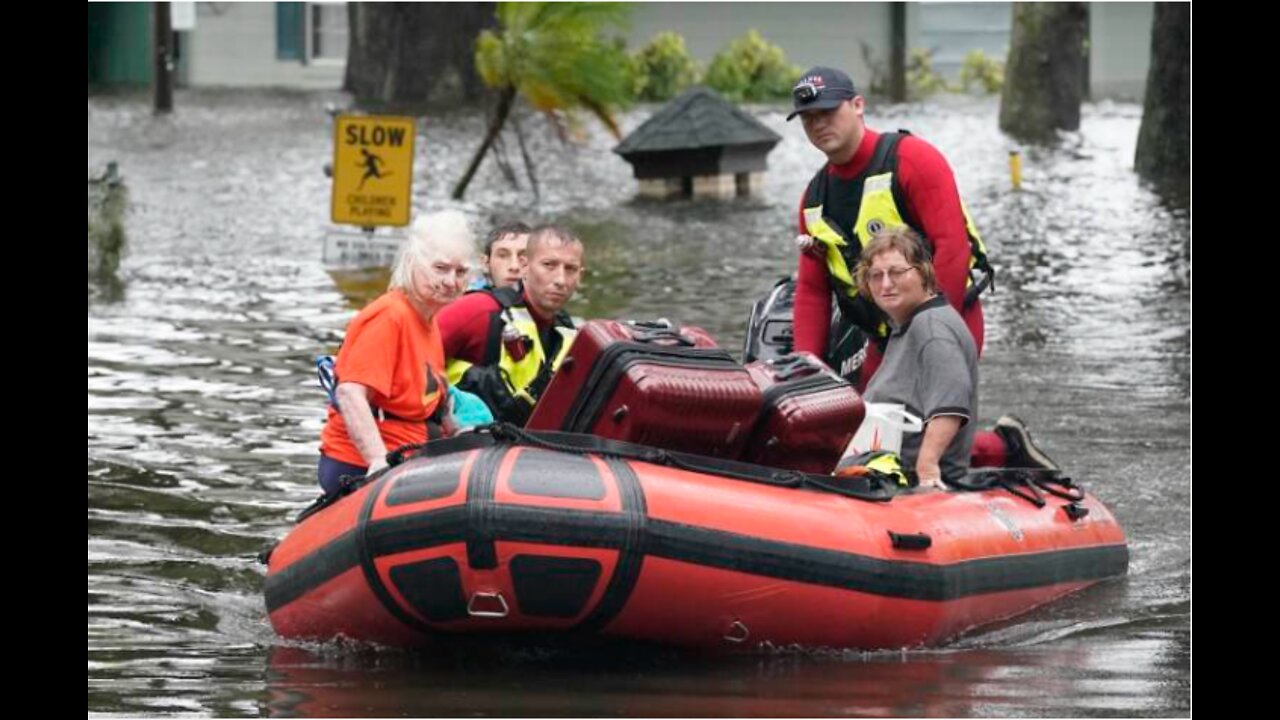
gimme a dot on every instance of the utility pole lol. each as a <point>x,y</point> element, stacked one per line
<point>163,81</point>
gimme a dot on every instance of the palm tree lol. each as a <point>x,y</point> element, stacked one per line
<point>552,55</point>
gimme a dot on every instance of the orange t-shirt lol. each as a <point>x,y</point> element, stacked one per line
<point>391,351</point>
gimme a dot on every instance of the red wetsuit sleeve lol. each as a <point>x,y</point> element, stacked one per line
<point>464,326</point>
<point>933,199</point>
<point>811,316</point>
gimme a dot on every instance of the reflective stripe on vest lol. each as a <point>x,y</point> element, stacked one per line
<point>519,375</point>
<point>877,210</point>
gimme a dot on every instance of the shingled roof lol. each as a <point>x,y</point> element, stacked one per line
<point>698,118</point>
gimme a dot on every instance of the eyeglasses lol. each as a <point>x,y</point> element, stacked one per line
<point>875,277</point>
<point>805,92</point>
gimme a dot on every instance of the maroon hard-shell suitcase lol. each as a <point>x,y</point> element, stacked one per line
<point>807,417</point>
<point>652,383</point>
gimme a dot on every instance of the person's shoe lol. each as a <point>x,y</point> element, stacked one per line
<point>1022,451</point>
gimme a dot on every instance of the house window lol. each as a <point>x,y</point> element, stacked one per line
<point>327,32</point>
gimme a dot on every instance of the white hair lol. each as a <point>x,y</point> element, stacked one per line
<point>444,234</point>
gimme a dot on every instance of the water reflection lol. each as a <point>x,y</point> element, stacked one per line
<point>204,414</point>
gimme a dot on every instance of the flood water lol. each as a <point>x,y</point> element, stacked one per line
<point>204,413</point>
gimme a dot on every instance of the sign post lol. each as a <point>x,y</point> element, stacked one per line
<point>372,179</point>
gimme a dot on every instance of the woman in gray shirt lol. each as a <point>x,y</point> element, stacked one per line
<point>931,362</point>
<point>931,367</point>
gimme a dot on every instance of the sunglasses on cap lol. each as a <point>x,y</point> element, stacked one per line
<point>805,92</point>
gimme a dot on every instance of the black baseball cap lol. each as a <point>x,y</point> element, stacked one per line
<point>822,88</point>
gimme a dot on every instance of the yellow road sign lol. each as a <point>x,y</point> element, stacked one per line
<point>372,169</point>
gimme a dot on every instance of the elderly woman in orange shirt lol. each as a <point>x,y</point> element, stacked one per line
<point>391,387</point>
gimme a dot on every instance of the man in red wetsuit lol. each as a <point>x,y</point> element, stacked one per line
<point>504,344</point>
<point>872,180</point>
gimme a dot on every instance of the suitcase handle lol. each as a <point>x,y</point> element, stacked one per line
<point>659,324</point>
<point>656,334</point>
<point>789,367</point>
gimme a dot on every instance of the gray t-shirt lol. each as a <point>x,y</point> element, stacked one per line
<point>931,367</point>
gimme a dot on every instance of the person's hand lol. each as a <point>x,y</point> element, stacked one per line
<point>376,465</point>
<point>930,475</point>
<point>449,425</point>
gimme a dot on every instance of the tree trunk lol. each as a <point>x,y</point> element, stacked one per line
<point>505,100</point>
<point>529,167</point>
<point>1044,78</point>
<point>499,153</point>
<point>1164,140</point>
<point>414,52</point>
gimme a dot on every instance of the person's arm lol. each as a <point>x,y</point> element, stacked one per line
<point>357,414</point>
<point>811,309</point>
<point>464,326</point>
<point>448,421</point>
<point>934,200</point>
<point>944,390</point>
<point>449,425</point>
<point>939,431</point>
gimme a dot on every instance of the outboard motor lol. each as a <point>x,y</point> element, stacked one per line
<point>770,333</point>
